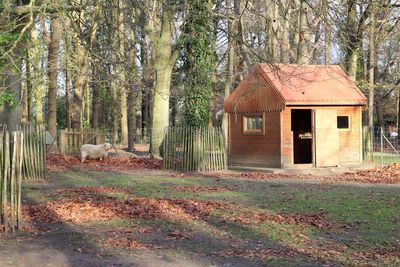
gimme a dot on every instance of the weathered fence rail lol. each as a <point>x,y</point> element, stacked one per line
<point>70,140</point>
<point>194,149</point>
<point>11,158</point>
<point>34,157</point>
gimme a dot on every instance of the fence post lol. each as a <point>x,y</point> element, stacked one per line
<point>381,129</point>
<point>62,142</point>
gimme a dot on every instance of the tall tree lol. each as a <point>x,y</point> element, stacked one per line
<point>81,58</point>
<point>303,56</point>
<point>371,65</point>
<point>122,74</point>
<point>132,92</point>
<point>199,62</point>
<point>56,31</point>
<point>160,28</point>
<point>229,68</point>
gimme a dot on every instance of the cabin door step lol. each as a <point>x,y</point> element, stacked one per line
<point>326,143</point>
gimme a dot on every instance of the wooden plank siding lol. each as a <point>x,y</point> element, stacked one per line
<point>349,139</point>
<point>286,138</point>
<point>255,150</point>
<point>254,95</point>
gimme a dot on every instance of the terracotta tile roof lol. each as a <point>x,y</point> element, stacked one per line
<point>313,84</point>
<point>293,85</point>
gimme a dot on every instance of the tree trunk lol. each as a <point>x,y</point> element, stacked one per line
<point>284,30</point>
<point>67,96</point>
<point>327,34</point>
<point>96,96</point>
<point>165,61</point>
<point>11,115</point>
<point>147,84</point>
<point>274,32</point>
<point>79,85</point>
<point>371,69</point>
<point>56,31</point>
<point>352,46</point>
<point>116,118</point>
<point>229,75</point>
<point>160,111</point>
<point>132,93</point>
<point>38,86</point>
<point>131,118</point>
<point>303,56</point>
<point>29,88</point>
<point>243,62</point>
<point>67,45</point>
<point>88,100</point>
<point>122,77</point>
<point>81,63</point>
<point>25,98</point>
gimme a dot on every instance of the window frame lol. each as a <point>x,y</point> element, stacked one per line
<point>247,132</point>
<point>349,123</point>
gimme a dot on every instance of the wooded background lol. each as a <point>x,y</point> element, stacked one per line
<point>133,67</point>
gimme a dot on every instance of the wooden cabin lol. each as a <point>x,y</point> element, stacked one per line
<point>286,116</point>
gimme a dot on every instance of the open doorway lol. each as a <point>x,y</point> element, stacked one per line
<point>302,136</point>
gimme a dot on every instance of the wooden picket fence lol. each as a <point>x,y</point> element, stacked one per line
<point>11,158</point>
<point>194,149</point>
<point>70,140</point>
<point>34,157</point>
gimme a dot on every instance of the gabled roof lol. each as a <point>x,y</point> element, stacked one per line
<point>297,85</point>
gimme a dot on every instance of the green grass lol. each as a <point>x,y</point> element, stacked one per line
<point>363,216</point>
<point>386,158</point>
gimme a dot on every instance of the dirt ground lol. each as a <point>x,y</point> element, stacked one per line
<point>131,212</point>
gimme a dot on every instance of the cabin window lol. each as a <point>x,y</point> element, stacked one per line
<point>343,122</point>
<point>253,124</point>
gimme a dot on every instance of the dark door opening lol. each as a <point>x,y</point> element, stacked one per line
<point>302,136</point>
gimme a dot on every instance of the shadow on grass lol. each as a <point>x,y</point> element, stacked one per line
<point>238,244</point>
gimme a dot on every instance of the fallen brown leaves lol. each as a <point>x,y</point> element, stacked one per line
<point>89,190</point>
<point>317,220</point>
<point>381,175</point>
<point>126,243</point>
<point>86,207</point>
<point>261,253</point>
<point>58,162</point>
<point>328,253</point>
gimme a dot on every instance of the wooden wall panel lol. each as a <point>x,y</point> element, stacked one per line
<point>287,138</point>
<point>255,150</point>
<point>326,137</point>
<point>254,95</point>
<point>350,140</point>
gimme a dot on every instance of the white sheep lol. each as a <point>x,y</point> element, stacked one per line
<point>95,151</point>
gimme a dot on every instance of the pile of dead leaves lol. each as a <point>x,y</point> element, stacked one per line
<point>125,243</point>
<point>261,253</point>
<point>86,207</point>
<point>317,220</point>
<point>201,189</point>
<point>88,190</point>
<point>58,162</point>
<point>380,175</point>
